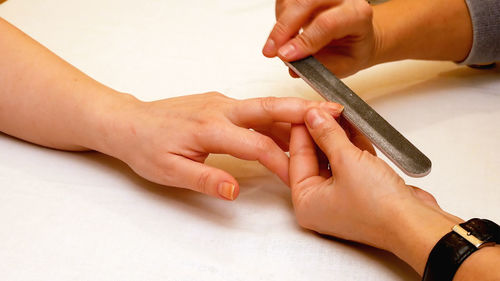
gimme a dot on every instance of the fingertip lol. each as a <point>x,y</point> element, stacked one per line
<point>236,191</point>
<point>288,52</point>
<point>228,190</point>
<point>269,49</point>
<point>335,109</point>
<point>316,118</point>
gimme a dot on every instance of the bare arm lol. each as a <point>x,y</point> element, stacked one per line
<point>47,101</point>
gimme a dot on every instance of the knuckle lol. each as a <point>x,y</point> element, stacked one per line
<point>364,156</point>
<point>362,13</point>
<point>305,3</point>
<point>203,183</point>
<point>268,104</point>
<point>365,10</point>
<point>304,150</point>
<point>216,95</point>
<point>306,40</point>
<point>325,23</point>
<point>326,132</point>
<point>280,29</point>
<point>264,144</point>
<point>166,168</point>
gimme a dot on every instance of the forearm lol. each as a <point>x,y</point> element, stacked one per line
<point>47,101</point>
<point>416,228</point>
<point>431,30</point>
<point>481,265</point>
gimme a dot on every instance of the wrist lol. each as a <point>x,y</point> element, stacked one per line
<point>106,121</point>
<point>434,30</point>
<point>416,227</point>
<point>390,38</point>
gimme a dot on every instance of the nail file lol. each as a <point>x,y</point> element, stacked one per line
<point>387,139</point>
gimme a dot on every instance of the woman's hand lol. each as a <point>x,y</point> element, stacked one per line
<point>167,141</point>
<point>361,199</point>
<point>340,33</point>
<point>164,141</point>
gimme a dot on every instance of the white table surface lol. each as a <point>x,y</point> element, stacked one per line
<point>87,216</point>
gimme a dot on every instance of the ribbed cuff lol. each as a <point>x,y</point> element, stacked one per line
<point>485,15</point>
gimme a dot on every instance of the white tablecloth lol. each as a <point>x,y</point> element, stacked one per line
<point>87,216</point>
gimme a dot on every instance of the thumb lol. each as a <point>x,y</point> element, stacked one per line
<point>205,179</point>
<point>327,133</point>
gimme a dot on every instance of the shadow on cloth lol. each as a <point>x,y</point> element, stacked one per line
<point>386,259</point>
<point>249,174</point>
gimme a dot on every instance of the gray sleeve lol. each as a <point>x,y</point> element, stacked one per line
<point>485,15</point>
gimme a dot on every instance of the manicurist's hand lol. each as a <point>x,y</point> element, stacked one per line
<point>362,199</point>
<point>350,35</point>
<point>167,141</point>
<point>339,33</point>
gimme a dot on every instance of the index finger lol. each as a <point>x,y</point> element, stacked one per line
<point>263,111</point>
<point>290,21</point>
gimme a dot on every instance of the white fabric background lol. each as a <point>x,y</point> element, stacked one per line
<point>87,216</point>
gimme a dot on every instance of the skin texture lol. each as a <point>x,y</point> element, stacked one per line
<point>339,33</point>
<point>350,35</point>
<point>362,199</point>
<point>171,138</point>
<point>45,100</point>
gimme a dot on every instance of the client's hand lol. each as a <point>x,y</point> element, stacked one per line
<point>339,33</point>
<point>362,198</point>
<point>167,141</point>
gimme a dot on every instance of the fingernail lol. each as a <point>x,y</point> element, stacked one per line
<point>314,118</point>
<point>287,51</point>
<point>269,47</point>
<point>226,190</point>
<point>338,108</point>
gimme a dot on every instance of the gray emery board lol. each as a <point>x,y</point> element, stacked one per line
<point>387,139</point>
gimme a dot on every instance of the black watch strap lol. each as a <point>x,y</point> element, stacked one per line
<point>451,250</point>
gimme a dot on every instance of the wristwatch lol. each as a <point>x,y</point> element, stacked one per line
<point>451,250</point>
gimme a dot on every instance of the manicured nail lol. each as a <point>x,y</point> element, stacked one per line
<point>226,190</point>
<point>314,118</point>
<point>337,108</point>
<point>269,47</point>
<point>287,51</point>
